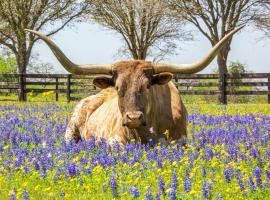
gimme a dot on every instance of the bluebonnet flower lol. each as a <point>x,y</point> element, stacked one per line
<point>135,192</point>
<point>172,193</point>
<point>144,165</point>
<point>36,165</point>
<point>13,195</point>
<point>251,184</point>
<point>227,175</point>
<point>157,196</point>
<point>257,172</point>
<point>148,195</point>
<point>267,172</point>
<point>83,161</point>
<point>187,184</point>
<point>161,184</point>
<point>159,163</point>
<point>73,169</point>
<point>241,184</point>
<point>175,183</point>
<point>25,195</point>
<point>113,185</point>
<point>268,152</point>
<point>8,164</point>
<point>92,142</point>
<point>203,171</point>
<point>206,189</point>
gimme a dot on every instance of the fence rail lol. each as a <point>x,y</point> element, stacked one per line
<point>187,84</point>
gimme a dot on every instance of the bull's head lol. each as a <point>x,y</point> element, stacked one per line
<point>133,79</point>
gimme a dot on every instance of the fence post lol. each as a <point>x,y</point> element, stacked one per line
<point>176,81</point>
<point>268,89</point>
<point>56,88</point>
<point>223,96</point>
<point>68,87</point>
<point>22,95</point>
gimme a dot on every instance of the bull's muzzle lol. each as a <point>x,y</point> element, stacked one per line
<point>134,119</point>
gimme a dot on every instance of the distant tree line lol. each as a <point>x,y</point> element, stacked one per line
<point>150,29</point>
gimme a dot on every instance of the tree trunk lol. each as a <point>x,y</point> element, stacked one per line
<point>222,69</point>
<point>22,62</point>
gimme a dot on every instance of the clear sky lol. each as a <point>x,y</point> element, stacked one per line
<point>86,43</point>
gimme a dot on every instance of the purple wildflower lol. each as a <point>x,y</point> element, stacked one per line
<point>148,195</point>
<point>206,189</point>
<point>175,183</point>
<point>36,165</point>
<point>251,184</point>
<point>135,192</point>
<point>267,172</point>
<point>241,184</point>
<point>161,184</point>
<point>25,195</point>
<point>268,152</point>
<point>113,185</point>
<point>172,193</point>
<point>257,172</point>
<point>13,195</point>
<point>187,184</point>
<point>203,171</point>
<point>158,196</point>
<point>227,175</point>
<point>73,169</point>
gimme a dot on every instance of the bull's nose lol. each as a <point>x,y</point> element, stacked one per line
<point>137,115</point>
<point>134,119</point>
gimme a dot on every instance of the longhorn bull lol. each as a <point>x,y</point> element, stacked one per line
<point>138,100</point>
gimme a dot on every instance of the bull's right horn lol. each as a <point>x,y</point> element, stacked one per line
<point>197,66</point>
<point>70,66</point>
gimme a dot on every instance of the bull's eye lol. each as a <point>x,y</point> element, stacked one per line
<point>117,88</point>
<point>148,86</point>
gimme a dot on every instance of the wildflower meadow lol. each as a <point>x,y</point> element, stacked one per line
<point>227,157</point>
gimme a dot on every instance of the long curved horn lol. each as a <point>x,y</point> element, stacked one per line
<point>70,66</point>
<point>197,66</point>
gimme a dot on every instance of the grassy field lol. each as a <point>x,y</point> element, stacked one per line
<point>228,157</point>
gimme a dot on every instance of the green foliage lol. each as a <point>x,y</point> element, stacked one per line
<point>7,65</point>
<point>236,68</point>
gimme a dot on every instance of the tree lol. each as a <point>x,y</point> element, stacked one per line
<point>262,19</point>
<point>17,15</point>
<point>215,18</point>
<point>145,25</point>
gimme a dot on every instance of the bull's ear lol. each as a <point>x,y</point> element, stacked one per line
<point>103,82</point>
<point>161,78</point>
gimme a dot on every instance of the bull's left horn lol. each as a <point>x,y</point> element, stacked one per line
<point>197,66</point>
<point>70,66</point>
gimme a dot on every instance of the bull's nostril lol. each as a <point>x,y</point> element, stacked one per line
<point>134,117</point>
<point>129,116</point>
